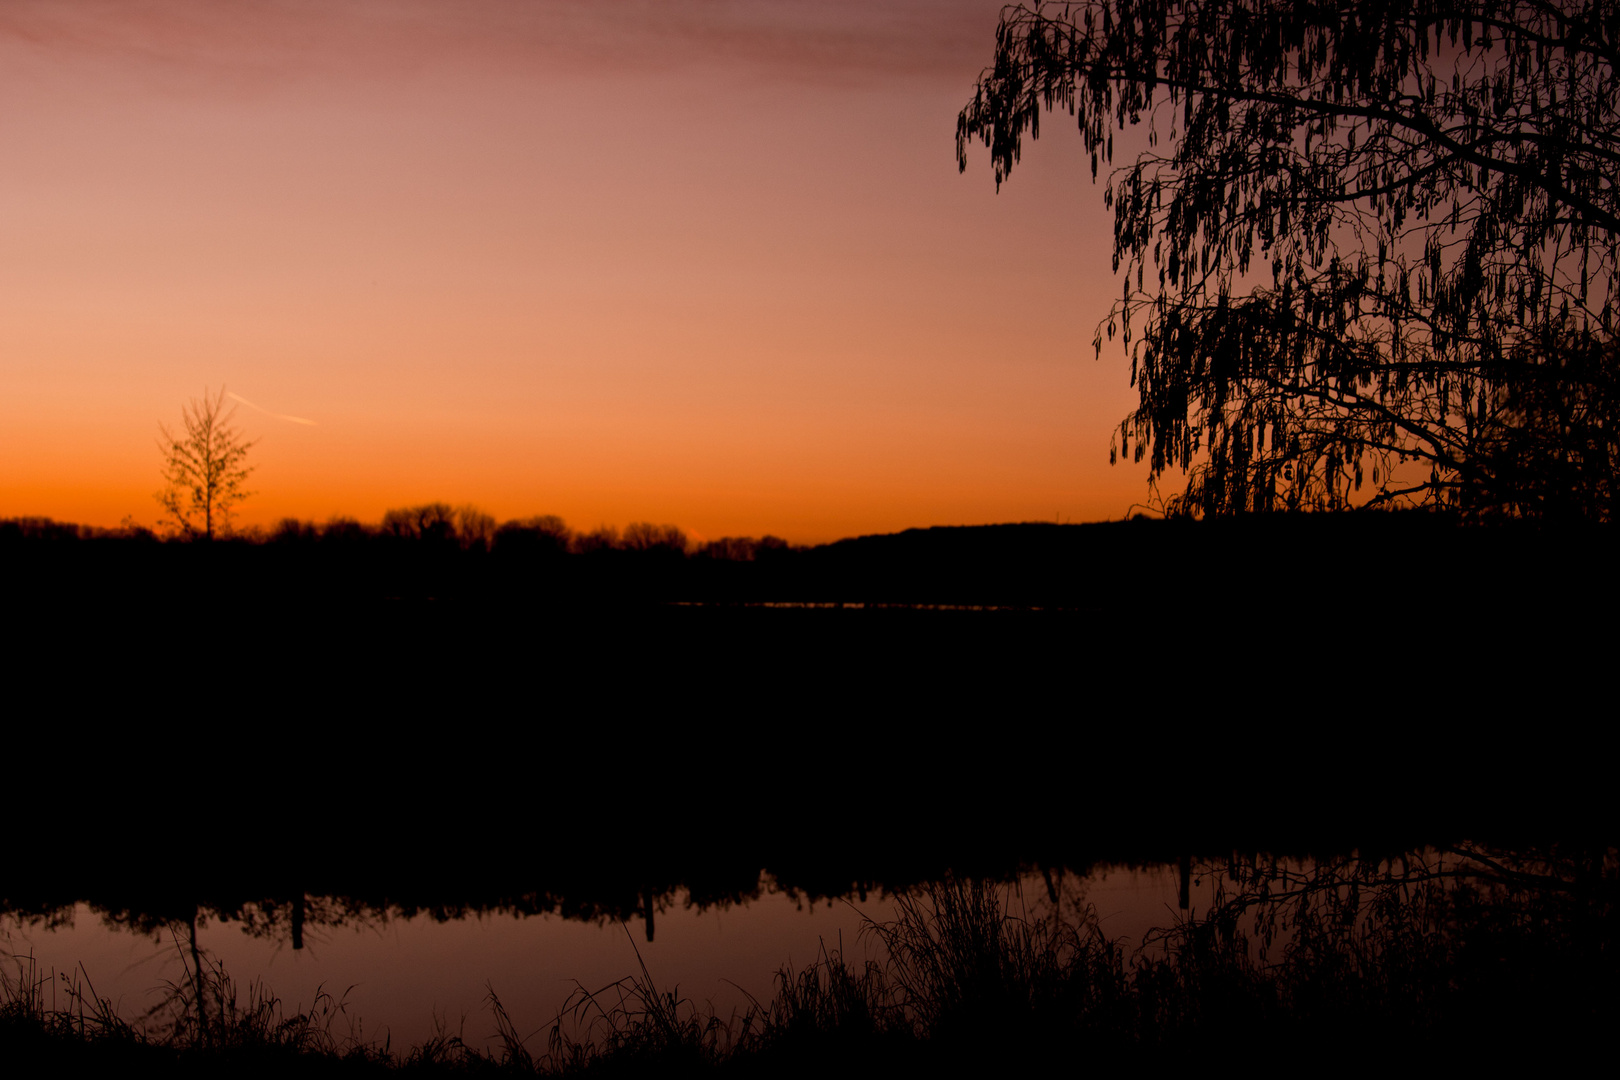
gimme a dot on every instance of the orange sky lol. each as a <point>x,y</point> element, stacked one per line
<point>708,263</point>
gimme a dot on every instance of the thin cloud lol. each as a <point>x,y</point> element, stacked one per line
<point>279,416</point>
<point>278,40</point>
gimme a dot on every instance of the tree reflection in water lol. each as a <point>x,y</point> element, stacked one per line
<point>1386,949</point>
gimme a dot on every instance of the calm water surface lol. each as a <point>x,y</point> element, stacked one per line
<point>407,979</point>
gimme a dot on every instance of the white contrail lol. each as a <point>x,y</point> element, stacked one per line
<point>267,412</point>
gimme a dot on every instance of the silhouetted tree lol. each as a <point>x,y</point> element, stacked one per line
<point>130,529</point>
<point>42,530</point>
<point>474,528</point>
<point>772,547</point>
<point>203,470</point>
<point>344,530</point>
<point>547,535</point>
<point>290,531</point>
<point>429,522</point>
<point>1547,446</point>
<point>647,537</point>
<point>729,549</point>
<point>602,538</point>
<point>1360,237</point>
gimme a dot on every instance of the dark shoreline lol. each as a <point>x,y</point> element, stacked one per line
<point>1175,689</point>
<point>1338,562</point>
<point>1508,949</point>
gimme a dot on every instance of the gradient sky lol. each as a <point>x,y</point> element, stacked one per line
<point>706,263</point>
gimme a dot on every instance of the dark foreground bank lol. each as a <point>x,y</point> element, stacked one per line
<point>1514,951</point>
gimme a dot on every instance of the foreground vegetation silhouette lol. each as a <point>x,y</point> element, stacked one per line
<point>1391,954</point>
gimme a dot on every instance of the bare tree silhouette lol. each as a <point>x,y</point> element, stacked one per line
<point>203,469</point>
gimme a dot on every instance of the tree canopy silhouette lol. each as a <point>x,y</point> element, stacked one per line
<point>1369,245</point>
<point>204,474</point>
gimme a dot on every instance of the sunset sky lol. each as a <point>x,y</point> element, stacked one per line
<point>706,263</point>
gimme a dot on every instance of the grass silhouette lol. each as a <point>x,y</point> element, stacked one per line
<point>1387,955</point>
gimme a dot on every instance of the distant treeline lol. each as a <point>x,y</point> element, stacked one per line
<point>433,550</point>
<point>464,527</point>
<point>1341,564</point>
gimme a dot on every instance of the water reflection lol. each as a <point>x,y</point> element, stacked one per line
<point>1400,942</point>
<point>408,971</point>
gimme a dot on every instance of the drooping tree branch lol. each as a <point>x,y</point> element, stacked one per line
<point>1432,185</point>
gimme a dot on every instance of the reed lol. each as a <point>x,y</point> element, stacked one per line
<point>966,974</point>
<point>207,1009</point>
<point>204,1020</point>
<point>628,1026</point>
<point>58,1006</point>
<point>829,999</point>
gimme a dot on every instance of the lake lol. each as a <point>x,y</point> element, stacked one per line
<point>419,960</point>
<point>407,977</point>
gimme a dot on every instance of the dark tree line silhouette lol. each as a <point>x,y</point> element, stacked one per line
<point>448,552</point>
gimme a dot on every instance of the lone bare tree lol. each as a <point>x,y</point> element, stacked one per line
<point>203,470</point>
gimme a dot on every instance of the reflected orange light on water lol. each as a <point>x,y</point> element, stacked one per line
<point>408,977</point>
